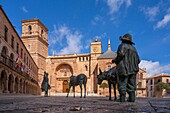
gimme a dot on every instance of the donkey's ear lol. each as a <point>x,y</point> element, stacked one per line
<point>100,70</point>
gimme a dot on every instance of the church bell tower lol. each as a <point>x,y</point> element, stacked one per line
<point>35,38</point>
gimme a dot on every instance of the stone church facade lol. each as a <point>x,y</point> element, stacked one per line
<point>60,67</point>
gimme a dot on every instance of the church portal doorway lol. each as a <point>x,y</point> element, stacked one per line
<point>65,86</point>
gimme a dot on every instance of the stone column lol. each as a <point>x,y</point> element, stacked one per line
<point>22,87</point>
<point>25,90</point>
<point>6,85</point>
<point>13,86</point>
<point>18,85</point>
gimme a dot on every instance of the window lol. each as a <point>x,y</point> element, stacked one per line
<point>30,29</point>
<point>4,54</point>
<point>151,88</point>
<point>17,48</point>
<point>151,82</point>
<point>64,73</point>
<point>12,42</point>
<point>21,53</point>
<point>42,32</point>
<point>109,67</point>
<point>11,60</point>
<point>24,58</point>
<point>139,85</point>
<point>86,67</point>
<point>167,80</point>
<point>27,61</point>
<point>159,80</point>
<point>6,33</point>
<point>29,46</point>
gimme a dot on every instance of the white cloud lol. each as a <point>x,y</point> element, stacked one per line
<point>98,20</point>
<point>69,40</point>
<point>150,12</point>
<point>153,68</point>
<point>166,38</point>
<point>114,5</point>
<point>163,22</point>
<point>23,8</point>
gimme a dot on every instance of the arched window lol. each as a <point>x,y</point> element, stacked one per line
<point>30,29</point>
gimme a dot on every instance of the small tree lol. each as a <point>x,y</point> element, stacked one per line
<point>159,88</point>
<point>103,85</point>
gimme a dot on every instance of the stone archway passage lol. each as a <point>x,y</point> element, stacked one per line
<point>3,82</point>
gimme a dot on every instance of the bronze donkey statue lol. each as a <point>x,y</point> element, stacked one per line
<point>112,79</point>
<point>78,80</point>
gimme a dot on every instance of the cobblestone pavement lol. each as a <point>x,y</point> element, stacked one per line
<point>93,104</point>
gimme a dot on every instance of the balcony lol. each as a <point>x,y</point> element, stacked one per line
<point>5,60</point>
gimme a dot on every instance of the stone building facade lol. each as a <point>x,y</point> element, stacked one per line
<point>151,84</point>
<point>141,83</point>
<point>18,71</point>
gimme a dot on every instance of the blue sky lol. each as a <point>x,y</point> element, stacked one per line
<point>73,24</point>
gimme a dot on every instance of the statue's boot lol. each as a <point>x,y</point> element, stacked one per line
<point>131,97</point>
<point>122,98</point>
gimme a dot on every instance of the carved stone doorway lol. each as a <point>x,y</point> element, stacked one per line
<point>65,86</point>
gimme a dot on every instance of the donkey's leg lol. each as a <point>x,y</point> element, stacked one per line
<point>84,90</point>
<point>68,90</point>
<point>81,90</point>
<point>110,97</point>
<point>114,86</point>
<point>74,91</point>
<point>85,82</point>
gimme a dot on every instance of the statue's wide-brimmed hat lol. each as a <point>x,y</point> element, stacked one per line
<point>127,37</point>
